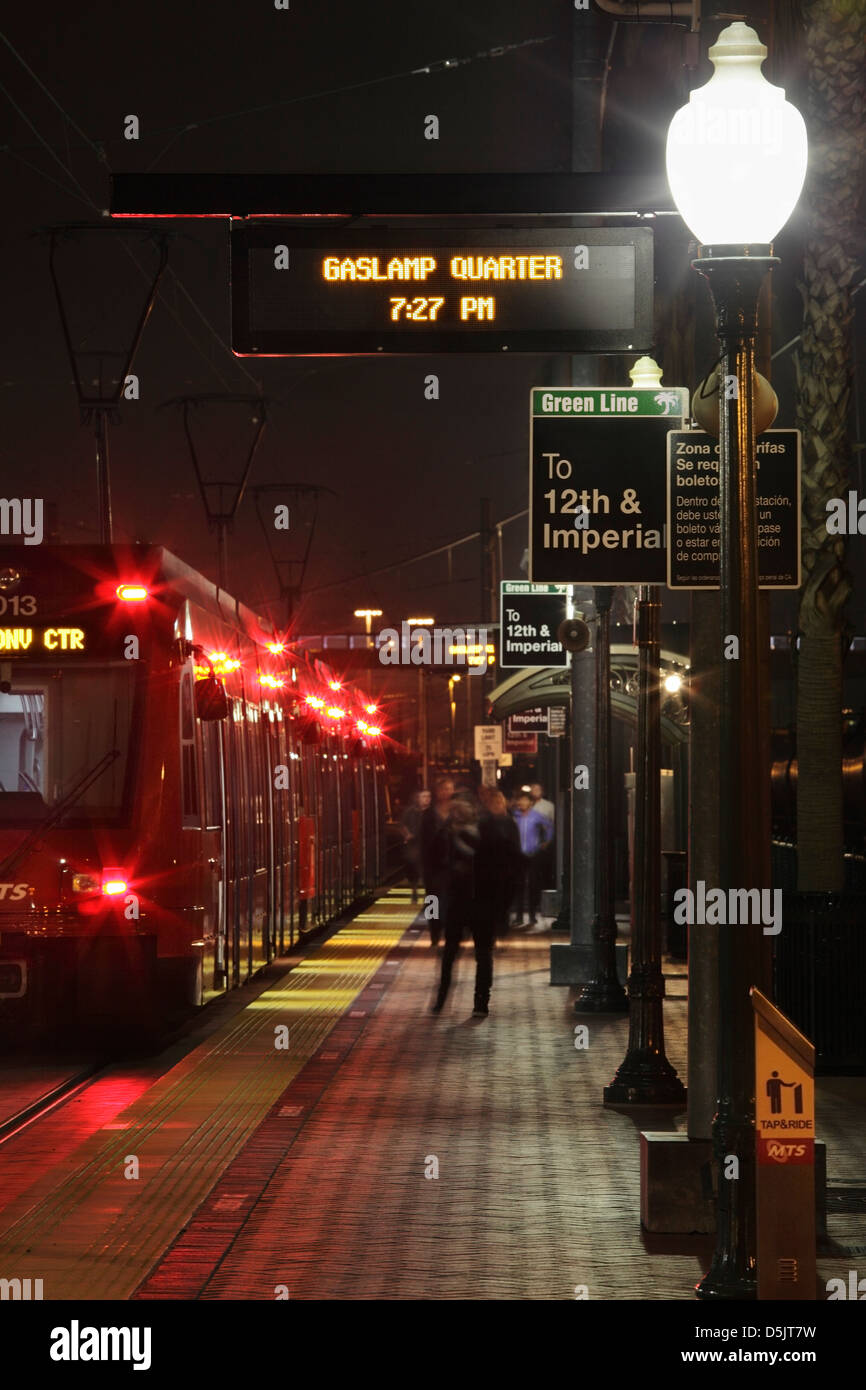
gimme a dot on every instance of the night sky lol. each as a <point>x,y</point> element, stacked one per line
<point>408,473</point>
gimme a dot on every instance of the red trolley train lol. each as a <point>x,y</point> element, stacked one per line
<point>181,795</point>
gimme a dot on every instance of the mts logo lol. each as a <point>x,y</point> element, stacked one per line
<point>856,1287</point>
<point>21,1289</point>
<point>15,891</point>
<point>782,1152</point>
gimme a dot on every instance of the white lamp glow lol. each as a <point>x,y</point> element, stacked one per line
<point>737,154</point>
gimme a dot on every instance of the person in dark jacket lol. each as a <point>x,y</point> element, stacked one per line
<point>436,854</point>
<point>410,826</point>
<point>501,867</point>
<point>485,864</point>
<point>464,838</point>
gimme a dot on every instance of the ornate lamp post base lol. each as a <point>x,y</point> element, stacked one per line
<point>645,1078</point>
<point>603,994</point>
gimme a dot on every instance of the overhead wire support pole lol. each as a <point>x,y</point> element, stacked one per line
<point>222,519</point>
<point>289,591</point>
<point>103,407</point>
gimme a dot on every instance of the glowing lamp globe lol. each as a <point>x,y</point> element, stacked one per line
<point>737,154</point>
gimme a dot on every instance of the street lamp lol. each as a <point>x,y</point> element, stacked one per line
<point>422,705</point>
<point>736,160</point>
<point>368,614</point>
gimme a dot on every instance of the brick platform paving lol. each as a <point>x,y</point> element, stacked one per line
<point>390,1154</point>
<point>538,1184</point>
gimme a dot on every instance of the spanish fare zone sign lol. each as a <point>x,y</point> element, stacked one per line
<point>694,526</point>
<point>597,482</point>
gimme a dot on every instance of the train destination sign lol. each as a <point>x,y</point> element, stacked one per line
<point>597,482</point>
<point>305,292</point>
<point>693,510</point>
<point>32,641</point>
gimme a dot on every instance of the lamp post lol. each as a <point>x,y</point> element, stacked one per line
<point>422,706</point>
<point>645,1076</point>
<point>452,680</point>
<point>368,614</point>
<point>603,993</point>
<point>736,160</point>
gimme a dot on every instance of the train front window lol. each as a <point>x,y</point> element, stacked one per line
<point>64,738</point>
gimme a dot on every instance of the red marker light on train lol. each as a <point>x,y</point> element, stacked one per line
<point>132,593</point>
<point>272,682</point>
<point>371,709</point>
<point>334,712</point>
<point>223,664</point>
<point>335,685</point>
<point>315,702</point>
<point>275,647</point>
<point>374,730</point>
<point>113,883</point>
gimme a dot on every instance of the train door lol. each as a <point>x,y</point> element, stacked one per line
<point>362,826</point>
<point>289,758</point>
<point>213,764</point>
<point>319,764</point>
<point>379,803</point>
<point>260,836</point>
<point>279,823</point>
<point>357,773</point>
<point>307,852</point>
<point>349,829</point>
<point>234,840</point>
<point>270,924</point>
<point>248,819</point>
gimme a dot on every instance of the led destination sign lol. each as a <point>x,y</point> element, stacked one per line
<point>301,292</point>
<point>26,641</point>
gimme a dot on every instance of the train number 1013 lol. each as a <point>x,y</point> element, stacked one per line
<point>20,605</point>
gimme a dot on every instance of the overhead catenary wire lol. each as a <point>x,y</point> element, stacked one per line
<point>97,149</point>
<point>83,195</point>
<point>427,69</point>
<point>414,559</point>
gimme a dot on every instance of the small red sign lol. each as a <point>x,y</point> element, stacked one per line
<point>527,744</point>
<point>775,1151</point>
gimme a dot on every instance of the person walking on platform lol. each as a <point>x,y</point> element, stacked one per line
<point>464,840</point>
<point>535,833</point>
<point>500,867</point>
<point>410,826</point>
<point>436,854</point>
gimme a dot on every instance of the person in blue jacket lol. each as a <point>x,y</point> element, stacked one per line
<point>536,832</point>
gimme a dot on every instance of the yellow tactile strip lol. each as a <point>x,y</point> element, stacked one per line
<point>96,1232</point>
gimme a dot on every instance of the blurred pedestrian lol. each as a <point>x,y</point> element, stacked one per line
<point>536,831</point>
<point>500,873</point>
<point>540,804</point>
<point>464,841</point>
<point>547,856</point>
<point>410,827</point>
<point>436,854</point>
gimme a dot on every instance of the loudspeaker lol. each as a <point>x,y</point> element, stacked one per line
<point>573,634</point>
